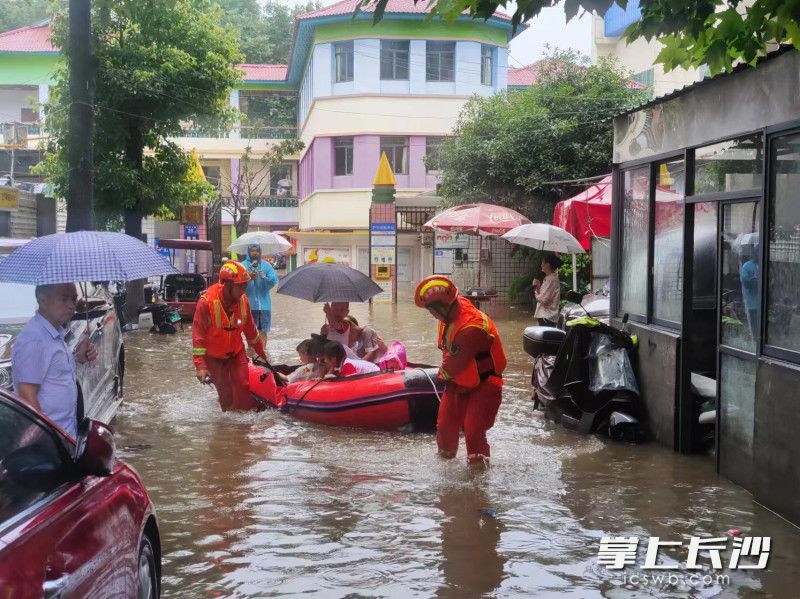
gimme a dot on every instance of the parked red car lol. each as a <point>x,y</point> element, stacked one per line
<point>74,520</point>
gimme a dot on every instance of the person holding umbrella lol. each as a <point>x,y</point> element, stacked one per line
<point>548,292</point>
<point>43,365</point>
<point>262,279</point>
<point>222,315</point>
<point>472,367</point>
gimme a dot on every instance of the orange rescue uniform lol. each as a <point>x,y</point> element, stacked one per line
<point>473,362</point>
<point>218,347</point>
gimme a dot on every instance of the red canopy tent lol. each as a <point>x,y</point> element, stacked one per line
<point>587,214</point>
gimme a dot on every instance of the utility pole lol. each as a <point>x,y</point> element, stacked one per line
<point>13,154</point>
<point>80,155</point>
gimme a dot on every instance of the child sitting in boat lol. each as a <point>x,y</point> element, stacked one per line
<point>310,353</point>
<point>337,363</point>
<point>362,342</point>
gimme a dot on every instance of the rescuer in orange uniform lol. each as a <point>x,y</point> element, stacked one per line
<point>472,366</point>
<point>222,315</point>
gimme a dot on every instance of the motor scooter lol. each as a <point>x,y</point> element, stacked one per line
<point>583,377</point>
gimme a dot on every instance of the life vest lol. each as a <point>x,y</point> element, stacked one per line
<point>224,336</point>
<point>486,364</point>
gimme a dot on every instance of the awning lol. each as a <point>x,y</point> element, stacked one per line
<point>587,214</point>
<point>186,244</point>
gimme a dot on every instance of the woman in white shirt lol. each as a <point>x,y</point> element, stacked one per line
<point>548,292</point>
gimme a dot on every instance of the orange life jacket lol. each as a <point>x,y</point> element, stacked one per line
<point>486,364</point>
<point>224,336</point>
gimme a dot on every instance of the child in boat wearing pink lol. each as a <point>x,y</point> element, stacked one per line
<point>360,342</point>
<point>337,364</point>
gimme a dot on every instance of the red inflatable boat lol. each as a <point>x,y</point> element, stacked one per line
<point>395,400</point>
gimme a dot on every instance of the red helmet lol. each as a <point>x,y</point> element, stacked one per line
<point>433,289</point>
<point>233,271</point>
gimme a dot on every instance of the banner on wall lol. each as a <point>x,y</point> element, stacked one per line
<point>448,240</point>
<point>337,255</point>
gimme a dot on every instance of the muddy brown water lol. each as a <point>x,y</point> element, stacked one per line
<point>259,504</point>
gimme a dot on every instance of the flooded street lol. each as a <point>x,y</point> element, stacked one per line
<point>259,504</point>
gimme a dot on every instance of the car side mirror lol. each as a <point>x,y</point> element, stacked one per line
<point>95,455</point>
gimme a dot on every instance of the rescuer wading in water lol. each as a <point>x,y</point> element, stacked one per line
<point>472,366</point>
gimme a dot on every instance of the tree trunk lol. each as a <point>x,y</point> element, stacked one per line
<point>134,153</point>
<point>80,204</point>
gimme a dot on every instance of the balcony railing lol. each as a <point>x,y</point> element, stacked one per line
<point>275,202</point>
<point>245,132</point>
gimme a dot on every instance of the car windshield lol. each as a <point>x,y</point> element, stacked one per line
<point>19,302</point>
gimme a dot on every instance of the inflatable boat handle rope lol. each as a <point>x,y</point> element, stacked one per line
<point>425,372</point>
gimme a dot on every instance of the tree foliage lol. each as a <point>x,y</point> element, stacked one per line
<point>507,148</point>
<point>716,33</point>
<point>22,13</point>
<point>159,64</point>
<point>264,29</point>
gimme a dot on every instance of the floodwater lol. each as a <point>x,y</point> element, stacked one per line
<point>258,504</point>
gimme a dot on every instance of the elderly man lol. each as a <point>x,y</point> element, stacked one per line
<point>42,363</point>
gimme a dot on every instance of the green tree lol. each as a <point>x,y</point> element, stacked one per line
<point>21,13</point>
<point>264,29</point>
<point>717,33</point>
<point>159,64</point>
<point>506,149</point>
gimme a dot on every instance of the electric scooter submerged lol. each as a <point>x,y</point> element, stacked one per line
<point>583,377</point>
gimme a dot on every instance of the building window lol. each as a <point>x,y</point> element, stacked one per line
<point>635,231</point>
<point>213,175</point>
<point>783,259</point>
<point>668,243</point>
<point>394,59</point>
<point>343,156</point>
<point>487,64</point>
<point>732,165</point>
<point>280,180</point>
<point>343,52</point>
<point>396,149</point>
<point>617,19</point>
<point>740,276</point>
<point>440,61</point>
<point>433,161</point>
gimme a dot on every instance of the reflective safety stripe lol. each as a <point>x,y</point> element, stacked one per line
<point>198,351</point>
<point>253,341</point>
<point>218,314</point>
<point>443,374</point>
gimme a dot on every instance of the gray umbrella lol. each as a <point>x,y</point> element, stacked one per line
<point>328,282</point>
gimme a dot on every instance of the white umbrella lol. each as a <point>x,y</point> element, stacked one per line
<point>542,236</point>
<point>269,242</point>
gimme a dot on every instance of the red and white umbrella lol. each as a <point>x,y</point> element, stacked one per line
<point>478,219</point>
<point>483,220</point>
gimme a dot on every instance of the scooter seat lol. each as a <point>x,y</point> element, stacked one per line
<point>542,341</point>
<point>704,387</point>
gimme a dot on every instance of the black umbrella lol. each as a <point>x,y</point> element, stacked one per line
<point>328,282</point>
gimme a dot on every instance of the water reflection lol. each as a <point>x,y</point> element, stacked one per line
<point>470,534</point>
<point>259,504</point>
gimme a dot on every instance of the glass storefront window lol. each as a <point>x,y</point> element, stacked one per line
<point>668,243</point>
<point>731,165</point>
<point>635,230</point>
<point>741,276</point>
<point>783,283</point>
